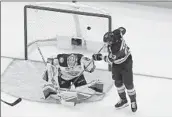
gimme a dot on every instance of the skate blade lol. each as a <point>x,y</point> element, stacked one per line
<point>134,110</point>
<point>125,105</point>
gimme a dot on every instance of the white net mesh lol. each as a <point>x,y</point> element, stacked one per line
<point>54,30</point>
<point>44,25</point>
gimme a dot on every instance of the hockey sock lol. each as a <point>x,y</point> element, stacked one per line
<point>121,92</point>
<point>132,94</point>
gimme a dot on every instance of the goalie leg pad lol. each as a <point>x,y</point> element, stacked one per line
<point>98,87</point>
<point>45,76</point>
<point>94,86</point>
<point>68,97</point>
<point>83,96</point>
<point>49,90</point>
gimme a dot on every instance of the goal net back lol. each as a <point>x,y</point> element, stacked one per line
<point>64,27</point>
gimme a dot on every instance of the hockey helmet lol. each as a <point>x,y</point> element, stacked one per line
<point>112,38</point>
<point>108,37</point>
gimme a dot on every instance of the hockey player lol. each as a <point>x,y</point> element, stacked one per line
<point>65,72</point>
<point>121,60</point>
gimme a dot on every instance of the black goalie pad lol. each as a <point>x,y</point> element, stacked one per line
<point>98,87</point>
<point>49,90</point>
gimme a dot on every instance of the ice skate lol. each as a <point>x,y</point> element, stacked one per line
<point>121,104</point>
<point>133,106</point>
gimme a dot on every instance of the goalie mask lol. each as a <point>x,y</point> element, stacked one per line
<point>72,60</point>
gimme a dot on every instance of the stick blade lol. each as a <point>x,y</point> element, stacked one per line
<point>13,103</point>
<point>17,101</point>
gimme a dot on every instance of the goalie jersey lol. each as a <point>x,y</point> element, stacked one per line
<point>69,66</point>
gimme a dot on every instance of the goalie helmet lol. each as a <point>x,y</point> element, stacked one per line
<point>72,60</point>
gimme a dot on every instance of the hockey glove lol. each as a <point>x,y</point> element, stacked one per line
<point>89,65</point>
<point>97,57</point>
<point>110,58</point>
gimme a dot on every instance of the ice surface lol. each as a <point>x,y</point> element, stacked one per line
<point>153,95</point>
<point>24,79</point>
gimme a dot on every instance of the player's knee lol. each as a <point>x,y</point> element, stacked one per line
<point>118,83</point>
<point>114,77</point>
<point>129,86</point>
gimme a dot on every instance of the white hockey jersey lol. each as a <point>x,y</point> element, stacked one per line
<point>60,65</point>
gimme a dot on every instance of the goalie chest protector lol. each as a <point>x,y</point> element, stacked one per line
<point>62,58</point>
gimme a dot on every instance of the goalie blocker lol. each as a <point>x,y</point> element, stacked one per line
<point>64,69</point>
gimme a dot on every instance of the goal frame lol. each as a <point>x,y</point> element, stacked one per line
<point>26,7</point>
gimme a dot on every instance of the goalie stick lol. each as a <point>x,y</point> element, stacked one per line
<point>41,54</point>
<point>13,103</point>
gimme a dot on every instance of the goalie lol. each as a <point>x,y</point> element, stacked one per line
<point>65,71</point>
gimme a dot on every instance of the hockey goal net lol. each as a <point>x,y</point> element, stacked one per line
<point>64,27</point>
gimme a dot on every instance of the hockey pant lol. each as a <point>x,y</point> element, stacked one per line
<point>122,74</point>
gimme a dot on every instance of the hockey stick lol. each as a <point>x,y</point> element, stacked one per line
<point>86,67</point>
<point>41,54</point>
<point>13,103</point>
